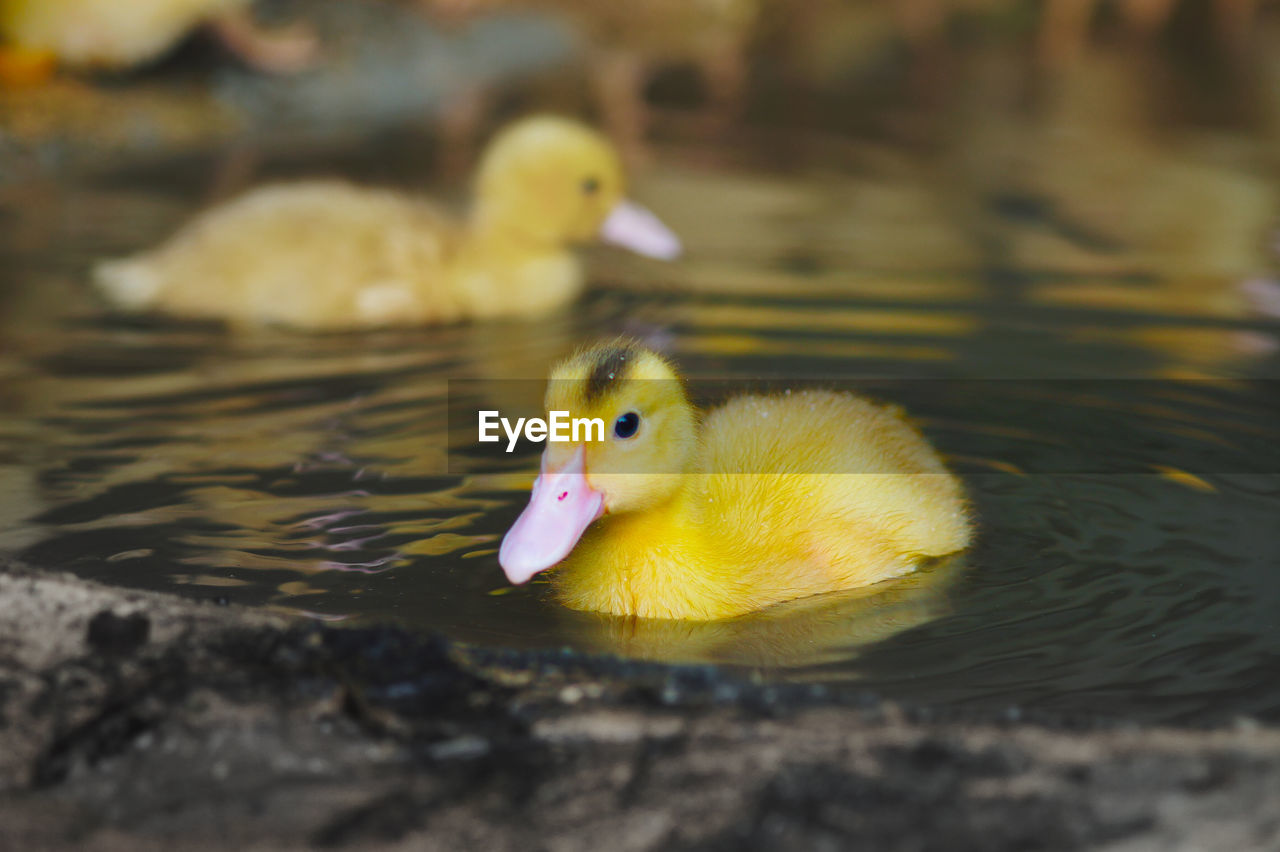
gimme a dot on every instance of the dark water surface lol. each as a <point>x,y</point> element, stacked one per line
<point>1083,346</point>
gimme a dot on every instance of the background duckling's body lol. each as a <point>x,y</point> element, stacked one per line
<point>106,33</point>
<point>767,500</point>
<point>791,496</point>
<point>330,255</point>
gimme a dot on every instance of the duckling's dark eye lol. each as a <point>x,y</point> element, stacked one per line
<point>590,186</point>
<point>626,425</point>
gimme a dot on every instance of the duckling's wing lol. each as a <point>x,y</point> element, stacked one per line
<point>833,485</point>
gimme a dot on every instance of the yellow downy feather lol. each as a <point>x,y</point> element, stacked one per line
<point>768,499</point>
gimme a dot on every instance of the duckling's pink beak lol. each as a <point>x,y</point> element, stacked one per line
<point>633,227</point>
<point>560,509</point>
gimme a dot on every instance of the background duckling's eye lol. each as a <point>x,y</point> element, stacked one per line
<point>590,185</point>
<point>626,425</point>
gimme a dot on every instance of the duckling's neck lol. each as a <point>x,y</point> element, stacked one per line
<point>648,563</point>
<point>502,269</point>
<point>491,226</point>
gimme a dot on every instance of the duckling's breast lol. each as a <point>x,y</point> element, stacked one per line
<point>499,281</point>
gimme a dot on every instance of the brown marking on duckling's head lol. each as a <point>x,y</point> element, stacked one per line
<point>612,365</point>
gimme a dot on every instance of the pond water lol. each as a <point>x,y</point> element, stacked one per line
<point>1070,299</point>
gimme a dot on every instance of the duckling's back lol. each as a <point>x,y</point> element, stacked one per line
<point>835,491</point>
<point>318,254</point>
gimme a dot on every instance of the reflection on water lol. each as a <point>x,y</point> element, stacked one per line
<point>1068,278</point>
<point>793,637</point>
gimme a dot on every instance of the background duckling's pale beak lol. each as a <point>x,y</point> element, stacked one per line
<point>560,509</point>
<point>633,227</point>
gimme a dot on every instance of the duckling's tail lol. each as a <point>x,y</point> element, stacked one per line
<point>131,283</point>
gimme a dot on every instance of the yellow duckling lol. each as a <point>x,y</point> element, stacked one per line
<point>116,35</point>
<point>330,255</point>
<point>768,499</point>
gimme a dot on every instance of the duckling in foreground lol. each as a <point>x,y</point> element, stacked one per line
<point>330,255</point>
<point>768,499</point>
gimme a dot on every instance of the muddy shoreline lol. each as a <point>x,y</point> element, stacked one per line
<point>166,723</point>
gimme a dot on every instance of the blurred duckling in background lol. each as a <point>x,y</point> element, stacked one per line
<point>116,35</point>
<point>625,44</point>
<point>1066,23</point>
<point>330,255</point>
<point>629,42</point>
<point>768,499</point>
<point>1064,26</point>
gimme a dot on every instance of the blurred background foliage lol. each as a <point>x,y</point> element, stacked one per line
<point>85,79</point>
